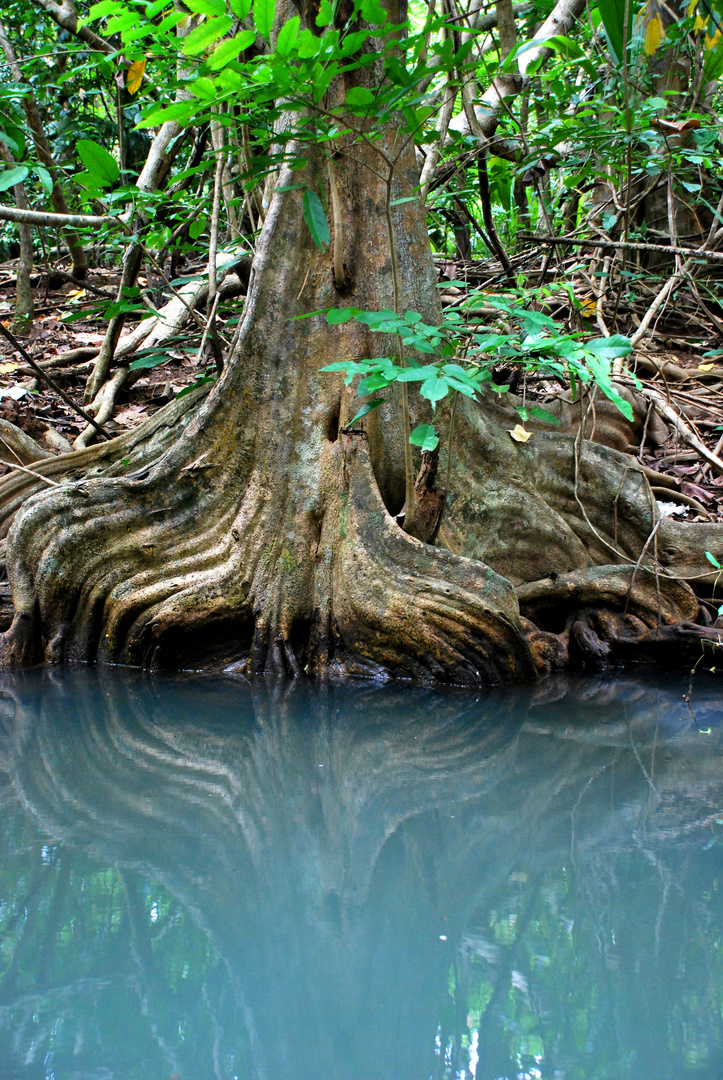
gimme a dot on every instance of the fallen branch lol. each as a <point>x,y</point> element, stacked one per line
<point>668,413</point>
<point>632,245</point>
<point>54,221</point>
<point>659,302</point>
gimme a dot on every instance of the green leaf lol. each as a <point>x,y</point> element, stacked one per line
<point>375,320</point>
<point>240,8</point>
<point>150,361</point>
<point>106,7</point>
<point>287,36</point>
<point>264,11</point>
<point>45,178</point>
<point>337,316</point>
<point>568,48</point>
<point>624,406</point>
<point>180,110</point>
<point>373,13</point>
<point>102,167</point>
<point>229,50</point>
<point>11,177</point>
<point>434,389</point>
<point>612,13</point>
<point>194,385</point>
<point>419,374</point>
<point>367,408</point>
<point>712,559</point>
<point>359,97</point>
<point>315,218</point>
<point>541,414</point>
<point>326,14</point>
<point>377,381</point>
<point>425,436</point>
<point>609,348</point>
<point>205,34</point>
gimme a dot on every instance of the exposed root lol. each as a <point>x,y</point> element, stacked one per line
<point>18,448</point>
<point>103,404</point>
<point>138,448</point>
<point>408,607</point>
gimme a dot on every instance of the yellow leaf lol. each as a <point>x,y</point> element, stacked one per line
<point>519,434</point>
<point>76,294</point>
<point>699,24</point>
<point>654,34</point>
<point>588,306</point>
<point>705,367</point>
<point>5,369</point>
<point>711,42</point>
<point>134,78</point>
<point>691,7</point>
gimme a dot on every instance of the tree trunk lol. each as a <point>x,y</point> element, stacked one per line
<point>264,537</point>
<point>24,305</point>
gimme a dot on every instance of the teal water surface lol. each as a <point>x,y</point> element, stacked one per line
<point>202,880</point>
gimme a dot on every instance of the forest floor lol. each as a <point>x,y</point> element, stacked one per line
<point>67,334</point>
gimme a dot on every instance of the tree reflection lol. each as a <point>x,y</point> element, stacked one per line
<point>356,884</point>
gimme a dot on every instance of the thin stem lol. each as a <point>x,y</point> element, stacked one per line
<point>408,462</point>
<point>339,272</point>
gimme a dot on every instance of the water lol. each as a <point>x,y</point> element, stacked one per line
<point>202,881</point>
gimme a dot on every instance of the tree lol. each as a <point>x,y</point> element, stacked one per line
<point>268,528</point>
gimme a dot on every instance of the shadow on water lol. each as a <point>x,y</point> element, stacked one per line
<point>205,880</point>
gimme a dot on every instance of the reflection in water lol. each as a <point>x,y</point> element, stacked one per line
<point>202,880</point>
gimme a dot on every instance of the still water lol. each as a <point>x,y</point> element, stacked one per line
<point>205,881</point>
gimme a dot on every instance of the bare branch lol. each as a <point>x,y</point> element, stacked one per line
<point>54,221</point>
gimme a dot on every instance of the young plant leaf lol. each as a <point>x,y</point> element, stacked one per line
<point>264,11</point>
<point>150,361</point>
<point>229,49</point>
<point>358,97</point>
<point>102,167</point>
<point>337,316</point>
<point>206,34</point>
<point>315,218</point>
<point>194,385</point>
<point>11,177</point>
<point>539,413</point>
<point>366,409</point>
<point>45,178</point>
<point>425,436</point>
<point>434,389</point>
<point>287,36</point>
<point>712,559</point>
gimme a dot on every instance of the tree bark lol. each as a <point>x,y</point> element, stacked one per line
<point>24,306</point>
